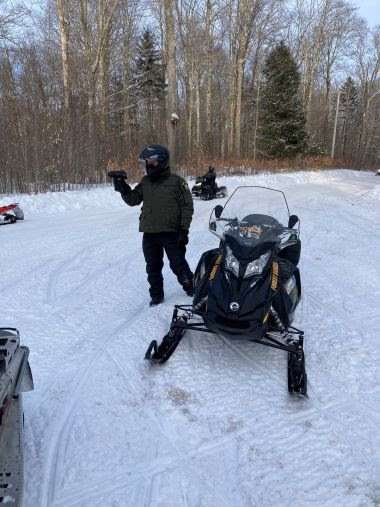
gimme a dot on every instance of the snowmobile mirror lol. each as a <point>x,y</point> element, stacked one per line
<point>293,219</point>
<point>218,210</point>
<point>212,226</point>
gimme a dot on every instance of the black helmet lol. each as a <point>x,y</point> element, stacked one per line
<point>211,169</point>
<point>154,159</point>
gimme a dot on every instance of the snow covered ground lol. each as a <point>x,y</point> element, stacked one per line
<point>215,426</point>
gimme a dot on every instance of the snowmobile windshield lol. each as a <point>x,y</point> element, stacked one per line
<point>252,218</point>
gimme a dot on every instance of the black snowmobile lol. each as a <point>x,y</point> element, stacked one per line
<point>206,190</point>
<point>15,378</point>
<point>250,286</point>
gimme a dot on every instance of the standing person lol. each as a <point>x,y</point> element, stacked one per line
<point>210,178</point>
<point>165,219</point>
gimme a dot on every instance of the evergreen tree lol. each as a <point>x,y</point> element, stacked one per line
<point>350,112</point>
<point>149,83</point>
<point>283,132</point>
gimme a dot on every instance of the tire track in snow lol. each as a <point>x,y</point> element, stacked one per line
<point>60,432</point>
<point>20,279</point>
<point>150,470</point>
<point>355,222</point>
<point>142,472</point>
<point>54,278</point>
<point>57,310</point>
<point>317,407</point>
<point>51,292</point>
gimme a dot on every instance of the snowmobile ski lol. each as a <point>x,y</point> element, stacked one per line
<point>161,353</point>
<point>297,378</point>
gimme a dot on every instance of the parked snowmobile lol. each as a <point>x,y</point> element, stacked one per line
<point>15,378</point>
<point>10,214</point>
<point>250,286</point>
<point>205,189</point>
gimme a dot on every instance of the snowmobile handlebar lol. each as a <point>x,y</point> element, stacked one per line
<point>120,174</point>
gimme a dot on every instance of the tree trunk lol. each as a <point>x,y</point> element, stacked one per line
<point>239,92</point>
<point>170,50</point>
<point>209,32</point>
<point>198,113</point>
<point>256,119</point>
<point>64,37</point>
<point>68,141</point>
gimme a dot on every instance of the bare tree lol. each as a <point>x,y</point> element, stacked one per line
<point>68,99</point>
<point>171,72</point>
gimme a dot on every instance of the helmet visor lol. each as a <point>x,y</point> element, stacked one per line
<point>148,163</point>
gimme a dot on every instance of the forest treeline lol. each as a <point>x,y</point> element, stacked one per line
<point>85,84</point>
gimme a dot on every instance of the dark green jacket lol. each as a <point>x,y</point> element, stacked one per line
<point>167,203</point>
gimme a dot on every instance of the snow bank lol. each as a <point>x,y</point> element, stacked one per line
<point>104,197</point>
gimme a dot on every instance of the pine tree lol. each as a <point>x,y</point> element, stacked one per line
<point>149,83</point>
<point>350,98</point>
<point>350,113</point>
<point>283,132</point>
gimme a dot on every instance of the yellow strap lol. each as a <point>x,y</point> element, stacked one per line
<point>215,267</point>
<point>274,276</point>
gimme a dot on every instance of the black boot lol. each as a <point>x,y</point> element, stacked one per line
<point>156,300</point>
<point>188,287</point>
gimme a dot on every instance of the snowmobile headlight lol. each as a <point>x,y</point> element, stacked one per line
<point>231,262</point>
<point>257,266</point>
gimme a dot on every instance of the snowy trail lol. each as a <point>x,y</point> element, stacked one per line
<point>215,425</point>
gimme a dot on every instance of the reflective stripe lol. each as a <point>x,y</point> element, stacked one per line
<point>215,267</point>
<point>274,276</point>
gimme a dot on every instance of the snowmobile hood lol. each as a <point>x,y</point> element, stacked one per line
<point>248,251</point>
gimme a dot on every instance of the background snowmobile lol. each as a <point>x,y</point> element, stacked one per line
<point>250,286</point>
<point>10,214</point>
<point>15,378</point>
<point>205,190</point>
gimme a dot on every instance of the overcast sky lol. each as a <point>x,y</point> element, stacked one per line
<point>369,9</point>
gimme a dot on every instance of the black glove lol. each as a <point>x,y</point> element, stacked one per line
<point>183,237</point>
<point>120,185</point>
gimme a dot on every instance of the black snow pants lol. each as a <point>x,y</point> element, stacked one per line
<point>154,245</point>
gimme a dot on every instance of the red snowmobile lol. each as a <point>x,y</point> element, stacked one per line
<point>10,214</point>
